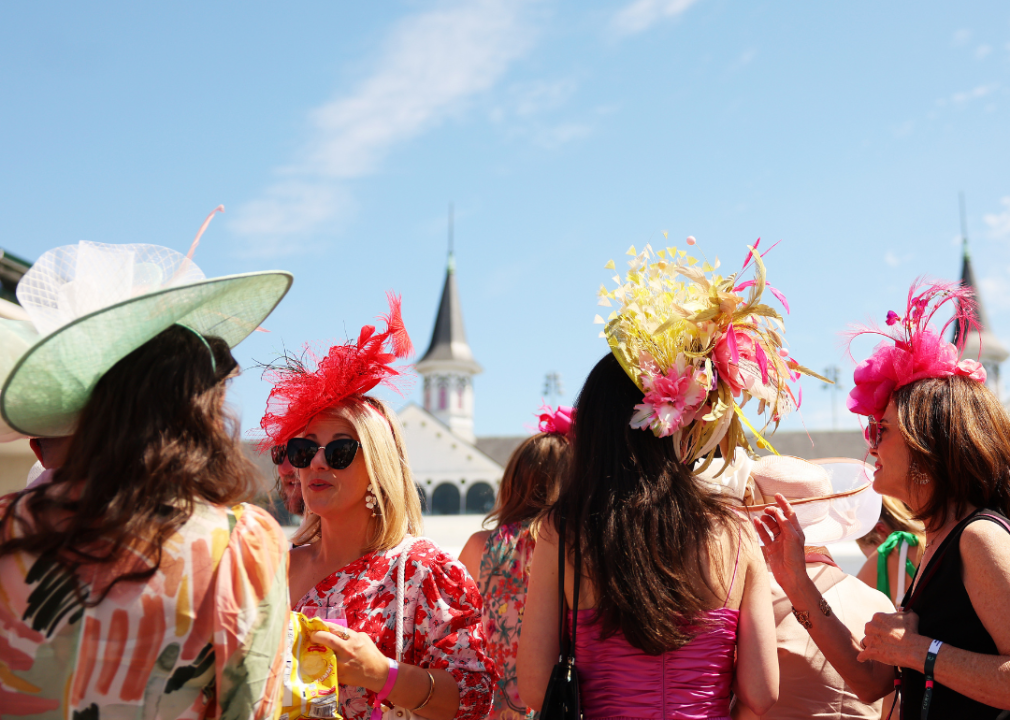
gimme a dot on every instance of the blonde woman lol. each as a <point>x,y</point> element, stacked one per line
<point>893,550</point>
<point>363,516</point>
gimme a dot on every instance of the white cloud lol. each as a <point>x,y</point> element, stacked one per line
<point>982,50</point>
<point>538,97</point>
<point>999,223</point>
<point>430,65</point>
<point>642,14</point>
<point>891,259</point>
<point>960,98</point>
<point>553,137</point>
<point>961,37</point>
<point>905,129</point>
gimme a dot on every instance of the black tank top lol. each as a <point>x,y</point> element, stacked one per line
<point>946,613</point>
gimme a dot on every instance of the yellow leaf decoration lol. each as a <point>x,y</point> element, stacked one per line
<point>678,319</point>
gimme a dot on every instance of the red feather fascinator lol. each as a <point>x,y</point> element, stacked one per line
<point>913,349</point>
<point>348,370</point>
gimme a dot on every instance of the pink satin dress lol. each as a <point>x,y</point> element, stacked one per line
<point>620,682</point>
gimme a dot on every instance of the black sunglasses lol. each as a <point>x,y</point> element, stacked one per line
<point>339,453</point>
<point>278,453</point>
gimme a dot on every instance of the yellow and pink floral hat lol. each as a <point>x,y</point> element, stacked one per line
<point>701,346</point>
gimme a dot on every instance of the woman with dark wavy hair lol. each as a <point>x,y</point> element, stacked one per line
<point>941,441</point>
<point>672,596</point>
<point>135,581</point>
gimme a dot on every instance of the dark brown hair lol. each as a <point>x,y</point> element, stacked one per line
<point>958,433</point>
<point>645,525</point>
<point>531,479</point>
<point>152,440</point>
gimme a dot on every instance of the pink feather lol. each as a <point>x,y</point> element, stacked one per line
<point>762,361</point>
<point>731,341</point>
<point>780,296</point>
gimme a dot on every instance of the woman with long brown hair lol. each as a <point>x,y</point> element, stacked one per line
<point>135,581</point>
<point>941,441</point>
<point>667,591</point>
<point>499,559</point>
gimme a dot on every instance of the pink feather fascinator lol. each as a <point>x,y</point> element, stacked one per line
<point>346,371</point>
<point>913,349</point>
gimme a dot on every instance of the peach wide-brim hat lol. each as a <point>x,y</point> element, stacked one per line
<point>833,498</point>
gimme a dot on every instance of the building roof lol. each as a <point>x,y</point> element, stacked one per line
<point>819,444</point>
<point>448,341</point>
<point>500,447</point>
<point>992,348</point>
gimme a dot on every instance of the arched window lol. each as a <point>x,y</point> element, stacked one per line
<point>479,498</point>
<point>445,500</point>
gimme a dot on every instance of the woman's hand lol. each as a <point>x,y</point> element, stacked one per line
<point>429,693</point>
<point>780,531</point>
<point>359,661</point>
<point>893,638</point>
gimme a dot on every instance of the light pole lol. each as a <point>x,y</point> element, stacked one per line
<point>553,387</point>
<point>834,374</point>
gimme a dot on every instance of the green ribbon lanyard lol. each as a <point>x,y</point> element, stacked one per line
<point>892,542</point>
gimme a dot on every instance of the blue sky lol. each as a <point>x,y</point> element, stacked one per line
<point>336,134</point>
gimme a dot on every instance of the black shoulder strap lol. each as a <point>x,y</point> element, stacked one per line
<point>562,635</point>
<point>577,580</point>
<point>990,516</point>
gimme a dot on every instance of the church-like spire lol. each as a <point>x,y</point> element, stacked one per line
<point>448,341</point>
<point>992,350</point>
<point>448,366</point>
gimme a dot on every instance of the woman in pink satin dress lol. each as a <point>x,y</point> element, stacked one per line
<point>675,613</point>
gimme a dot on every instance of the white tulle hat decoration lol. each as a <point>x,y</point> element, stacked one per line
<point>92,304</point>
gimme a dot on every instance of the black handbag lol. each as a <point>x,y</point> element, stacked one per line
<point>561,701</point>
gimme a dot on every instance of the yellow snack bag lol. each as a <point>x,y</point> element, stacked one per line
<point>310,672</point>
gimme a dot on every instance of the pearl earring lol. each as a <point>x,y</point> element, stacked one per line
<point>371,500</point>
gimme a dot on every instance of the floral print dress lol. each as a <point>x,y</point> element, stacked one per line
<point>441,620</point>
<point>202,638</point>
<point>504,577</point>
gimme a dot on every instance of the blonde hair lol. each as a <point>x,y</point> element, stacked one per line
<point>896,515</point>
<point>385,456</point>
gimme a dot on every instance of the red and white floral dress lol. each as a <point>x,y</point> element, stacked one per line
<point>441,620</point>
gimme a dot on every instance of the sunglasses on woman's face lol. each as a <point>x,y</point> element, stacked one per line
<point>278,453</point>
<point>339,453</point>
<point>872,432</point>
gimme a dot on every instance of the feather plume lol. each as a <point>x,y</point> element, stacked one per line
<point>346,371</point>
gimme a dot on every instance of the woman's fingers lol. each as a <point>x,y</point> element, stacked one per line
<point>338,643</point>
<point>766,537</point>
<point>788,513</point>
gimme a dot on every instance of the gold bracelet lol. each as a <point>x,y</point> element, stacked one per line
<point>803,616</point>
<point>431,691</point>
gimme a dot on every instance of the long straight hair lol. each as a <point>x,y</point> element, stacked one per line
<point>385,455</point>
<point>646,527</point>
<point>152,440</point>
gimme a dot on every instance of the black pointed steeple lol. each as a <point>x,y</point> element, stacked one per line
<point>992,349</point>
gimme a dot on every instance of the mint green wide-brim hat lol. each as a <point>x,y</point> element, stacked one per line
<point>49,367</point>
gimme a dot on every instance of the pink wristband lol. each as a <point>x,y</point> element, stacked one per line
<point>394,668</point>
